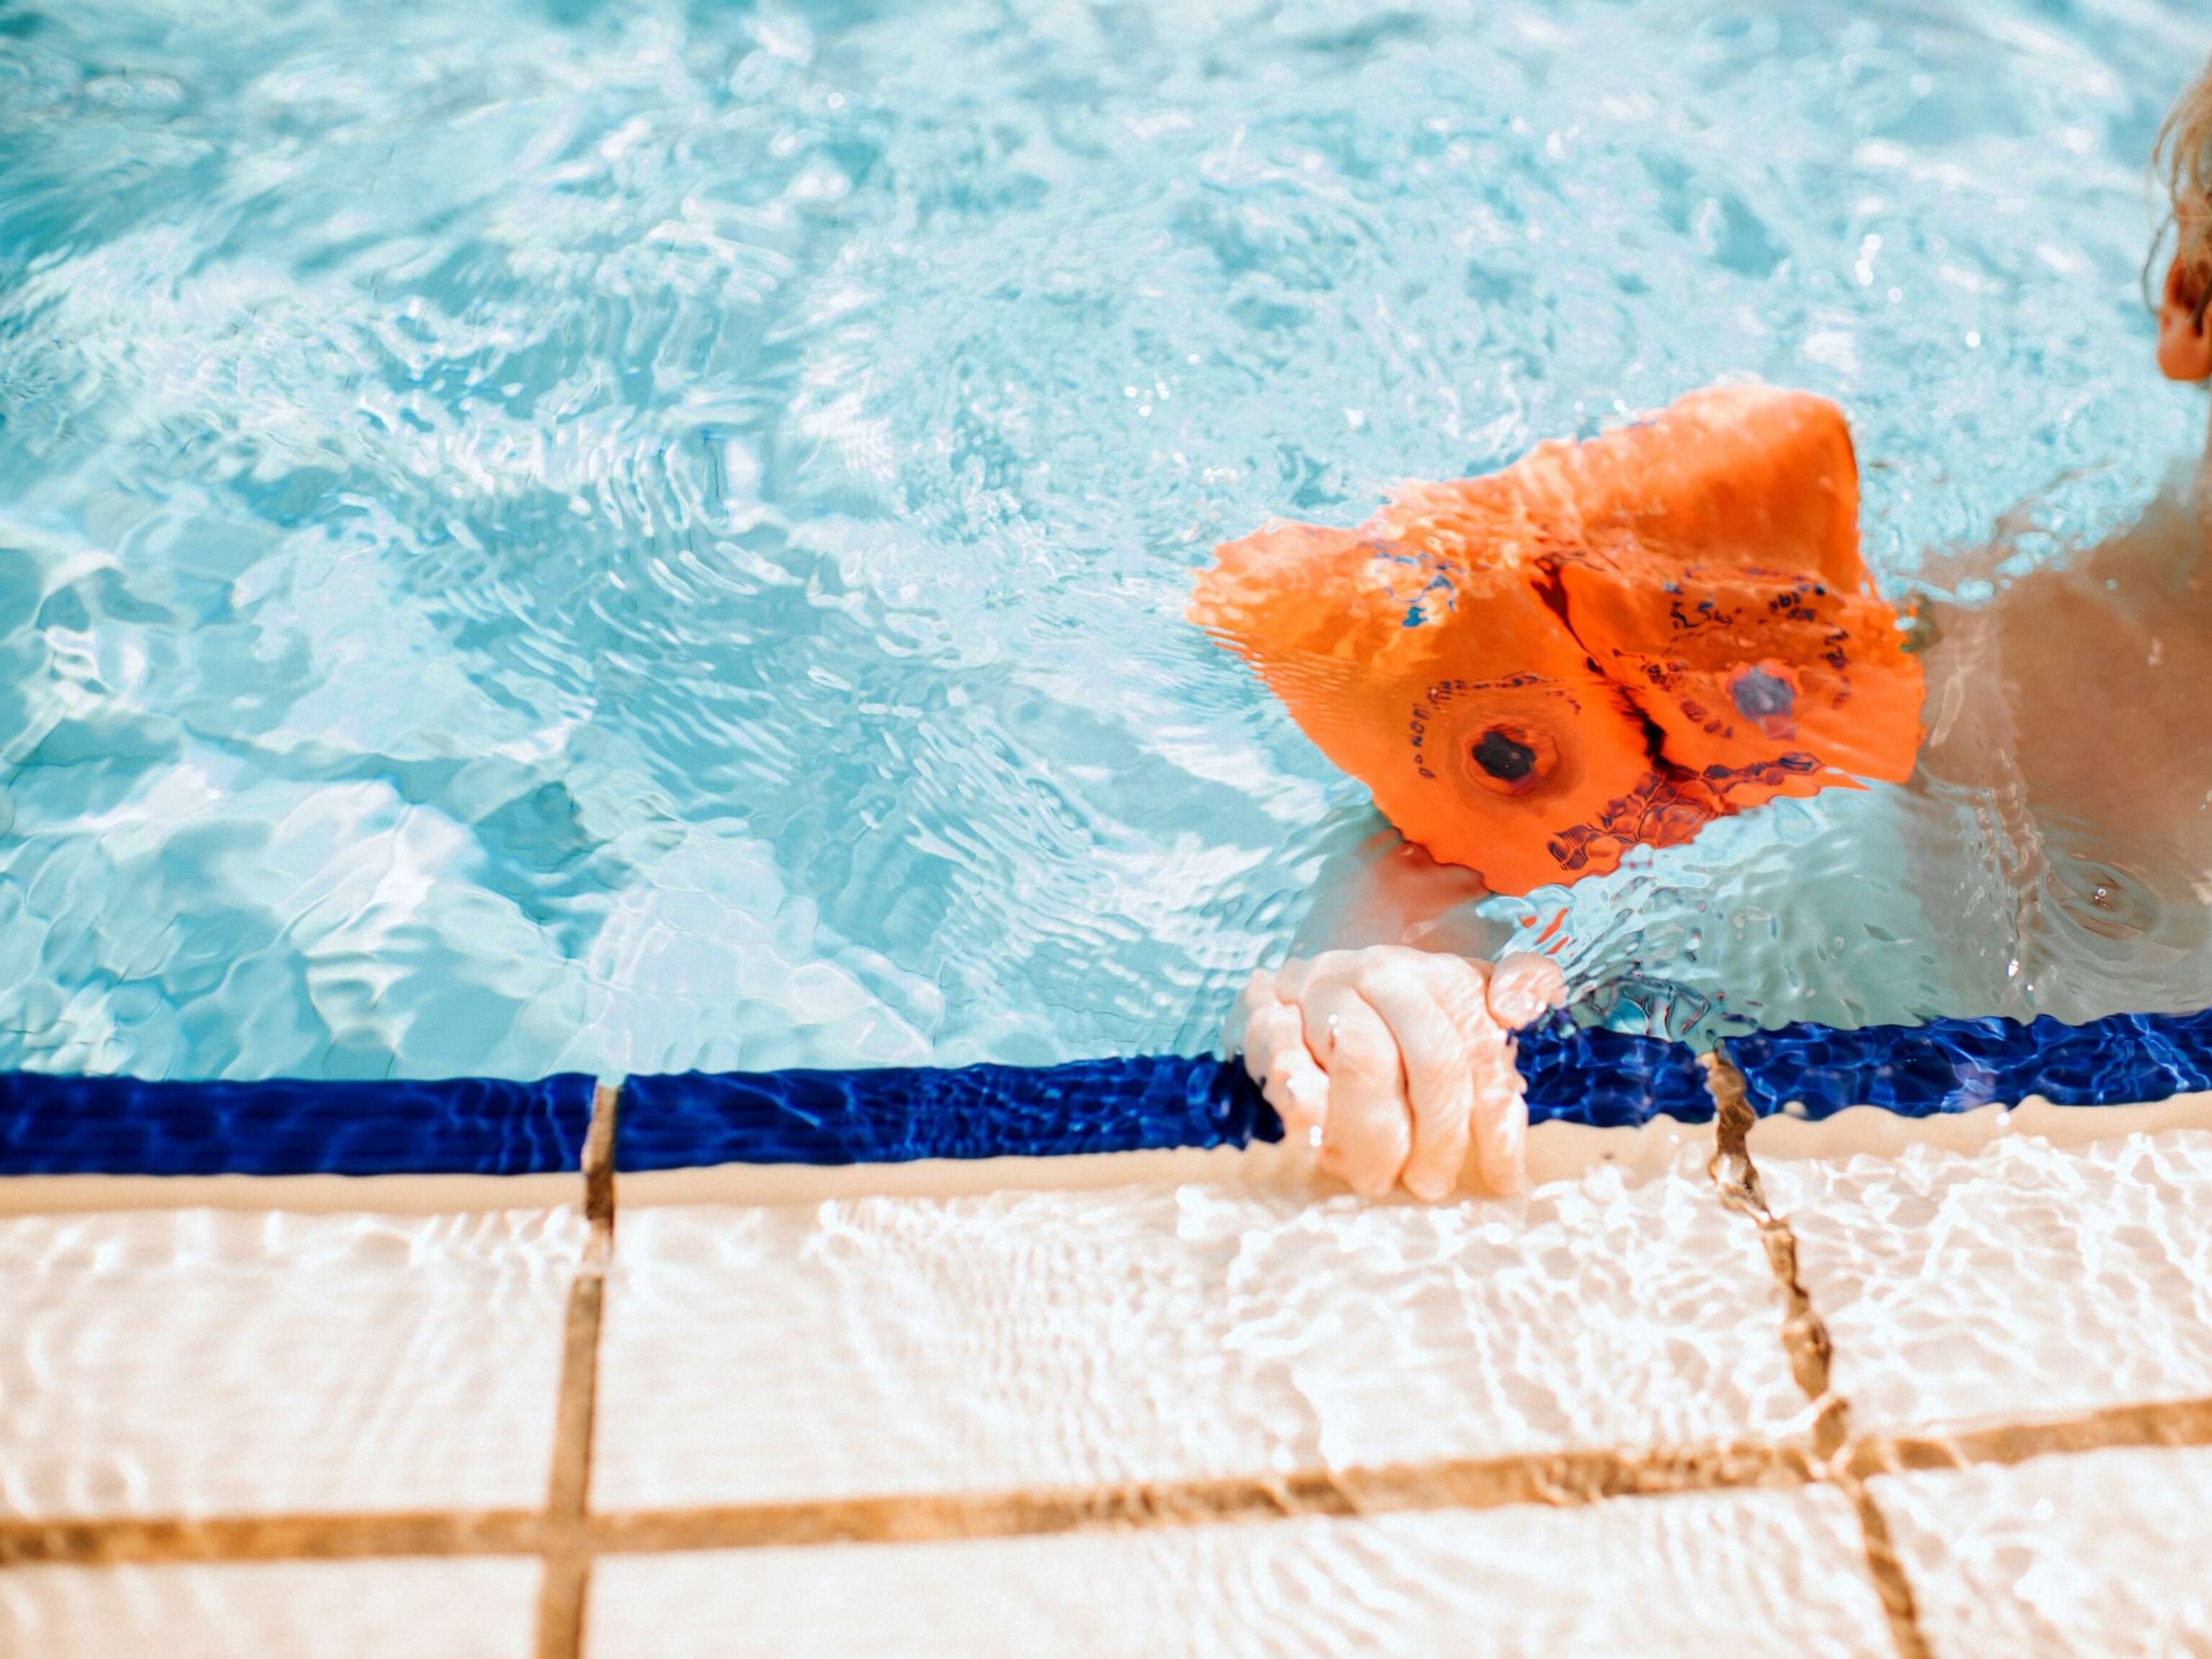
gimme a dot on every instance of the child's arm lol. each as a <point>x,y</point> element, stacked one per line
<point>1393,1062</point>
<point>1385,890</point>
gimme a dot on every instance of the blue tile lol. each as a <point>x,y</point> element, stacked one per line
<point>897,1114</point>
<point>894,1114</point>
<point>121,1125</point>
<point>1955,1065</point>
<point>1591,1075</point>
<point>117,1126</point>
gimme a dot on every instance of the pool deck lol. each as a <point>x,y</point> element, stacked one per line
<point>1870,1385</point>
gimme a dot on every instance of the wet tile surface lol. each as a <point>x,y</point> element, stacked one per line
<point>2021,1281</point>
<point>2099,1554</point>
<point>1743,1574</point>
<point>1015,1339</point>
<point>1956,1065</point>
<point>65,1125</point>
<point>897,1114</point>
<point>206,1361</point>
<point>288,1610</point>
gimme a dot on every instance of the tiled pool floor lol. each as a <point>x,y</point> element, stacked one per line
<point>1951,1400</point>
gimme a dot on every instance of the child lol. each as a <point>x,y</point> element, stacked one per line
<point>2077,688</point>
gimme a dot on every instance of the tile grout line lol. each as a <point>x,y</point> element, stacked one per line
<point>1890,1582</point>
<point>1808,1347</point>
<point>2154,1425</point>
<point>164,1540</point>
<point>564,1539</point>
<point>1805,1338</point>
<point>1564,1480</point>
<point>566,1535</point>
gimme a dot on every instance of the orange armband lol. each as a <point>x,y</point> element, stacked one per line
<point>1607,644</point>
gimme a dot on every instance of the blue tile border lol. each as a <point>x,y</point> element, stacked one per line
<point>1955,1065</point>
<point>121,1125</point>
<point>1586,1074</point>
<point>117,1126</point>
<point>894,1114</point>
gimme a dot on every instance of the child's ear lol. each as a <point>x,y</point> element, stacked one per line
<point>2184,332</point>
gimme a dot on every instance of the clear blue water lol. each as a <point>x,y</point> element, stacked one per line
<point>645,536</point>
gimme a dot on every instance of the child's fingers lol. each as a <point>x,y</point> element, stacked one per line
<point>1257,996</point>
<point>1439,1090</point>
<point>1403,1059</point>
<point>1366,1135</point>
<point>1461,988</point>
<point>1278,1059</point>
<point>1498,1108</point>
<point>1523,987</point>
<point>1500,1120</point>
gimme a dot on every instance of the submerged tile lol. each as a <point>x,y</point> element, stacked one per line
<point>2102,1552</point>
<point>75,1126</point>
<point>892,1114</point>
<point>208,1361</point>
<point>892,1345</point>
<point>2024,1278</point>
<point>482,1609</point>
<point>1746,1574</point>
<point>1958,1065</point>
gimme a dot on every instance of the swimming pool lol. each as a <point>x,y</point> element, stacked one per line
<point>671,523</point>
<point>550,544</point>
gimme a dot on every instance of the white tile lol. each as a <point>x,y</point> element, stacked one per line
<point>1743,1574</point>
<point>1003,1339</point>
<point>2023,1279</point>
<point>2100,1554</point>
<point>210,1361</point>
<point>288,1610</point>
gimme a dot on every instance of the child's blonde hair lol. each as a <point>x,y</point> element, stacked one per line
<point>2182,158</point>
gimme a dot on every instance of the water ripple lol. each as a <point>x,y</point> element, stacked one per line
<point>674,519</point>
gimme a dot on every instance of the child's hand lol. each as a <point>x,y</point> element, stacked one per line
<point>1400,1059</point>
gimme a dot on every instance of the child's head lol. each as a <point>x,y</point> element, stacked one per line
<point>2183,159</point>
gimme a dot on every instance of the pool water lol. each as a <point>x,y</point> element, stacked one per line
<point>646,536</point>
